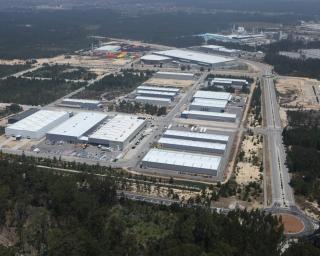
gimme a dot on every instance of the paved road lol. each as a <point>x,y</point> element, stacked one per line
<point>282,193</point>
<point>161,124</point>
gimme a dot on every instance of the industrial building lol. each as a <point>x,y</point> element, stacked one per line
<point>213,95</point>
<point>37,125</point>
<point>199,146</point>
<point>201,104</point>
<point>153,100</point>
<point>152,59</point>
<point>18,117</point>
<point>174,75</point>
<point>118,132</point>
<point>77,126</point>
<point>229,82</point>
<point>107,49</point>
<point>210,116</point>
<point>81,103</point>
<point>220,50</point>
<point>158,88</point>
<point>192,57</point>
<point>196,136</point>
<point>182,162</point>
<point>157,94</point>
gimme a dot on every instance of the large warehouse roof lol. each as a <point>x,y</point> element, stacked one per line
<point>209,103</point>
<point>38,120</point>
<point>198,161</point>
<point>153,57</point>
<point>78,125</point>
<point>206,113</point>
<point>157,88</point>
<point>118,128</point>
<point>197,135</point>
<point>196,144</point>
<point>213,95</point>
<point>194,56</point>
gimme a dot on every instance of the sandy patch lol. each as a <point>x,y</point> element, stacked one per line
<point>292,224</point>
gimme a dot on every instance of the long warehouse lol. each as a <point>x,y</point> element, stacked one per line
<point>197,136</point>
<point>210,116</point>
<point>153,100</point>
<point>158,94</point>
<point>118,132</point>
<point>37,125</point>
<point>174,75</point>
<point>195,57</point>
<point>76,127</point>
<point>182,162</point>
<point>157,88</point>
<point>208,105</point>
<point>200,146</point>
<point>213,95</point>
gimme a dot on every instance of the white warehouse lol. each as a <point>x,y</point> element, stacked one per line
<point>229,82</point>
<point>158,88</point>
<point>118,132</point>
<point>198,136</point>
<point>200,146</point>
<point>174,75</point>
<point>213,95</point>
<point>37,125</point>
<point>157,94</point>
<point>210,116</point>
<point>81,103</point>
<point>201,104</point>
<point>182,162</point>
<point>153,100</point>
<point>76,127</point>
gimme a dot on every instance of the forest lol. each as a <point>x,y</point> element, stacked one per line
<point>288,66</point>
<point>34,92</point>
<point>302,139</point>
<point>80,215</point>
<point>7,70</point>
<point>50,33</point>
<point>62,72</point>
<point>112,86</point>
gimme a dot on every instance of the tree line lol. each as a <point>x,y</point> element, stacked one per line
<point>65,71</point>
<point>34,92</point>
<point>302,139</point>
<point>79,215</point>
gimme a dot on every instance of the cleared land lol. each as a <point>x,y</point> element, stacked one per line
<point>170,82</point>
<point>295,92</point>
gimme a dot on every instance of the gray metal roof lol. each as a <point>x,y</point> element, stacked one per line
<point>170,94</point>
<point>158,88</point>
<point>197,144</point>
<point>209,103</point>
<point>198,161</point>
<point>119,128</point>
<point>197,135</point>
<point>194,56</point>
<point>79,124</point>
<point>38,120</point>
<point>213,95</point>
<point>207,113</point>
<point>153,98</point>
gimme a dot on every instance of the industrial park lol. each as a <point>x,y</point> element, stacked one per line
<point>187,116</point>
